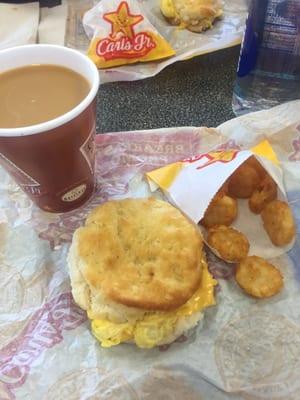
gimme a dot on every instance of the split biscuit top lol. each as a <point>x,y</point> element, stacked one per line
<point>141,253</point>
<point>191,10</point>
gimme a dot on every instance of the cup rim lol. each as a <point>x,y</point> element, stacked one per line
<point>68,116</point>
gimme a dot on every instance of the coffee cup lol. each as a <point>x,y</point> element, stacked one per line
<point>53,161</point>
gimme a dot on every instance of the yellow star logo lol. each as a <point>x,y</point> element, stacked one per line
<point>122,21</point>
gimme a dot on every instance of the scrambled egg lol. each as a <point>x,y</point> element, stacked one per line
<point>155,326</point>
<point>168,9</point>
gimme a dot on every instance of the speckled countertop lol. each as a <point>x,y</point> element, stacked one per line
<point>196,92</point>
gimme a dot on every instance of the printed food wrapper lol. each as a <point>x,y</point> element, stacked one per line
<point>123,35</point>
<point>224,33</point>
<point>245,349</point>
<point>192,183</point>
<point>65,23</point>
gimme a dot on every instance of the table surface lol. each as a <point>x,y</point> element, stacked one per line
<point>195,92</point>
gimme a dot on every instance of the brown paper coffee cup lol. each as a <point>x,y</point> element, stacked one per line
<point>53,162</point>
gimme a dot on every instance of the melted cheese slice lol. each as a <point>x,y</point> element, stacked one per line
<point>155,326</point>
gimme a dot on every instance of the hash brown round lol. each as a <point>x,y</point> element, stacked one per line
<point>230,244</point>
<point>259,278</point>
<point>222,210</point>
<point>279,222</point>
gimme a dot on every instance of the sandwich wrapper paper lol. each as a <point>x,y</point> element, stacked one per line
<point>245,348</point>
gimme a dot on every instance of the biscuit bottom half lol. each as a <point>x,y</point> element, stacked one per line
<point>155,328</point>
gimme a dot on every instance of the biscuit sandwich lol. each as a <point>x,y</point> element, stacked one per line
<point>194,15</point>
<point>138,268</point>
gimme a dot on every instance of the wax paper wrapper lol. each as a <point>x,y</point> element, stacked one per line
<point>245,349</point>
<point>192,183</point>
<point>28,23</point>
<point>225,33</point>
<point>122,35</point>
<point>24,18</point>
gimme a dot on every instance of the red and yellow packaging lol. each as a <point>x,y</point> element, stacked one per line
<point>191,184</point>
<point>121,34</point>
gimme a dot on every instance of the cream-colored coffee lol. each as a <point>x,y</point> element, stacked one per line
<point>38,93</point>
